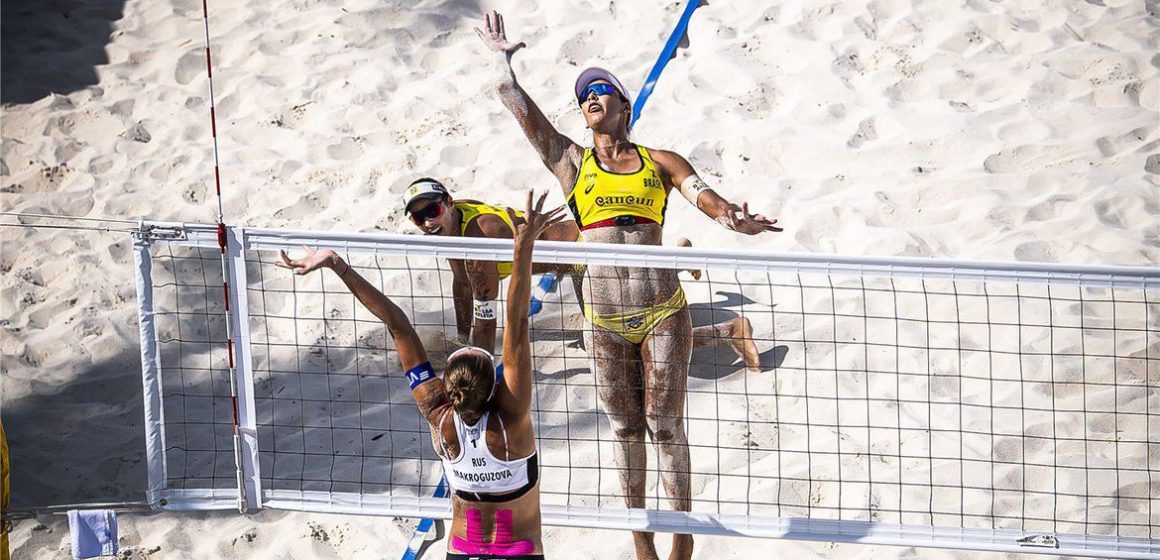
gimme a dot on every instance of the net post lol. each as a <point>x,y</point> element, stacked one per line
<point>250,480</point>
<point>150,372</point>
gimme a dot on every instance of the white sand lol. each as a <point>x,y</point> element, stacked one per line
<point>982,130</point>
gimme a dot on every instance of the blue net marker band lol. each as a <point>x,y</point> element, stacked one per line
<point>420,535</point>
<point>667,54</point>
<point>540,293</point>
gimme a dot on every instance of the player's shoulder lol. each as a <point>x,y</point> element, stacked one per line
<point>665,157</point>
<point>489,225</point>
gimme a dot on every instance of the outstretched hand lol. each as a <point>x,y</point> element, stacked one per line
<point>535,221</point>
<point>495,36</point>
<point>740,220</point>
<point>313,260</point>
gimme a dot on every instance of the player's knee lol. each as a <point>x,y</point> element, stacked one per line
<point>629,429</point>
<point>664,428</point>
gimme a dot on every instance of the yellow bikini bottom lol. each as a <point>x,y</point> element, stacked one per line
<point>636,325</point>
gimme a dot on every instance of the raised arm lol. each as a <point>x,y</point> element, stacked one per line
<point>680,175</point>
<point>428,391</point>
<point>558,152</point>
<point>517,347</point>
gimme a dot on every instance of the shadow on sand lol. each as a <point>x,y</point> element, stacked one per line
<point>53,46</point>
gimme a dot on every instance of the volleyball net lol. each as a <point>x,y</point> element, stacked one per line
<point>986,406</point>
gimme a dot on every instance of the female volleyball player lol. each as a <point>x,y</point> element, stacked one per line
<point>641,337</point>
<point>481,425</point>
<point>475,284</point>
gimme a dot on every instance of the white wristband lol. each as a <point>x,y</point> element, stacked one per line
<point>692,187</point>
<point>484,310</point>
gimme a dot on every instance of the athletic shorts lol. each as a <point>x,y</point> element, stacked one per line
<point>461,556</point>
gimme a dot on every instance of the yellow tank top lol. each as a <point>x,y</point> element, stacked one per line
<point>472,210</point>
<point>601,195</point>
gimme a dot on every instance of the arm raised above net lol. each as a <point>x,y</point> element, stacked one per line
<point>428,392</point>
<point>517,346</point>
<point>680,175</point>
<point>558,152</point>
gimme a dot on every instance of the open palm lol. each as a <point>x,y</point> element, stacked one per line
<point>495,37</point>
<point>535,219</point>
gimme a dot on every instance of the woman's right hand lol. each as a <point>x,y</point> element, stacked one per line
<point>495,37</point>
<point>313,260</point>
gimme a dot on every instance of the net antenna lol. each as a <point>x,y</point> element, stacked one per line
<point>244,441</point>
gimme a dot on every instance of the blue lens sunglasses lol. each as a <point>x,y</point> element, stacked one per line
<point>598,89</point>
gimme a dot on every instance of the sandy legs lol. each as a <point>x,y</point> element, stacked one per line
<point>738,332</point>
<point>642,390</point>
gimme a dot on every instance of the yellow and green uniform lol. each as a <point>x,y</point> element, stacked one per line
<point>471,210</point>
<point>601,198</point>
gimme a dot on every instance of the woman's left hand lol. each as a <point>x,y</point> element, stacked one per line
<point>535,221</point>
<point>313,260</point>
<point>740,220</point>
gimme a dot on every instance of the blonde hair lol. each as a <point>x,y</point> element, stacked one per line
<point>469,379</point>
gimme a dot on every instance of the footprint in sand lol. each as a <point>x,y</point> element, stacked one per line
<point>1046,210</point>
<point>347,149</point>
<point>189,66</point>
<point>1029,158</point>
<point>460,156</point>
<point>1152,164</point>
<point>1108,215</point>
<point>75,204</point>
<point>1024,131</point>
<point>1114,145</point>
<point>866,133</point>
<point>1034,251</point>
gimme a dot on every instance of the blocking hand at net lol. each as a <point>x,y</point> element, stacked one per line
<point>313,260</point>
<point>741,221</point>
<point>535,221</point>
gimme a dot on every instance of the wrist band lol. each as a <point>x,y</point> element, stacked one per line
<point>420,374</point>
<point>484,310</point>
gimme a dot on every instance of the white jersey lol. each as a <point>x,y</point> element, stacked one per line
<point>478,475</point>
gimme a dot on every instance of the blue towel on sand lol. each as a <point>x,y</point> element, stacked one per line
<point>94,532</point>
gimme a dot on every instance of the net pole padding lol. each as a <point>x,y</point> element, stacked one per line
<point>150,373</point>
<point>245,421</point>
<point>684,258</point>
